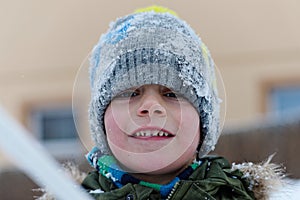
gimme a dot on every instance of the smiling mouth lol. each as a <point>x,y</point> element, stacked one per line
<point>152,134</point>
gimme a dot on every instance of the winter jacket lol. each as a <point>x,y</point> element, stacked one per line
<point>213,179</point>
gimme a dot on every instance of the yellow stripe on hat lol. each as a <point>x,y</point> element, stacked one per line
<point>205,52</point>
<point>158,9</point>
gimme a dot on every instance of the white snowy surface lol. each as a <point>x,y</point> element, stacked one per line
<point>291,191</point>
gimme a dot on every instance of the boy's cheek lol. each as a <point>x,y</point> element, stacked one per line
<point>113,133</point>
<point>111,125</point>
<point>114,116</point>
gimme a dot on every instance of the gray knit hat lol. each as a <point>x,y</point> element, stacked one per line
<point>153,48</point>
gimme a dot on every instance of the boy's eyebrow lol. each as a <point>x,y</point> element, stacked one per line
<point>132,88</point>
<point>164,88</point>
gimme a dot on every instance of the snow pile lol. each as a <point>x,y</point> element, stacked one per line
<point>291,191</point>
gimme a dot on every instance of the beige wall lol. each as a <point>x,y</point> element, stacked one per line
<point>43,43</point>
<point>20,90</point>
<point>247,85</point>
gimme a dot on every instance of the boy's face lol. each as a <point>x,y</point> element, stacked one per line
<point>151,129</point>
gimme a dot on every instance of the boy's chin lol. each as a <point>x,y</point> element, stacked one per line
<point>143,168</point>
<point>173,168</point>
<point>154,163</point>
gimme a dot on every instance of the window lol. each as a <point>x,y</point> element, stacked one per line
<point>57,124</point>
<point>55,128</point>
<point>284,100</point>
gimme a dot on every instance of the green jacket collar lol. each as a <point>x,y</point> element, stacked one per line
<point>213,179</point>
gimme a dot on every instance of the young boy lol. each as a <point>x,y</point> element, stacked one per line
<point>154,115</point>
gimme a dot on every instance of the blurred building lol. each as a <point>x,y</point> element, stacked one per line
<point>256,142</point>
<point>255,45</point>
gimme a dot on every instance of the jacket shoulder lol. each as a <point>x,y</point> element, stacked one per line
<point>215,180</point>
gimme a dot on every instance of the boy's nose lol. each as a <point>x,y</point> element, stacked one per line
<point>151,105</point>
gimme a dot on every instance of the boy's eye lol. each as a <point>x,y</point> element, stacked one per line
<point>170,94</point>
<point>173,95</point>
<point>127,94</point>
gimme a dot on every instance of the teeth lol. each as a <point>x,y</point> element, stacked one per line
<point>155,133</point>
<point>149,133</point>
<point>161,133</point>
<point>139,134</point>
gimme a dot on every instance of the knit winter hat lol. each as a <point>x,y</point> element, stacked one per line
<point>153,48</point>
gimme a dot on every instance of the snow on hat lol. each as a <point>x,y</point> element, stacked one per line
<point>152,47</point>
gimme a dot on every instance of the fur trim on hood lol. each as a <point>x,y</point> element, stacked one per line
<point>264,178</point>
